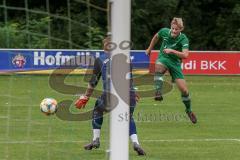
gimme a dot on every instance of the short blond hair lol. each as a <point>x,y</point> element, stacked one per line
<point>178,22</point>
<point>106,39</point>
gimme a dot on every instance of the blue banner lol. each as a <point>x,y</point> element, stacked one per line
<point>27,60</point>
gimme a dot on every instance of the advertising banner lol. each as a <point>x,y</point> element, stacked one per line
<point>198,62</point>
<point>207,63</point>
<point>31,60</point>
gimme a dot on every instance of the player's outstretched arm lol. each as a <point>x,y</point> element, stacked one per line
<point>83,99</point>
<point>152,44</point>
<point>183,55</point>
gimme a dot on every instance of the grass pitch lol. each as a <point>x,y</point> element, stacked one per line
<point>163,128</point>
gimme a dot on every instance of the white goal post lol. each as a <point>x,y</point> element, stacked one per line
<point>120,11</point>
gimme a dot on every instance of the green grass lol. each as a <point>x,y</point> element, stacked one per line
<point>163,128</point>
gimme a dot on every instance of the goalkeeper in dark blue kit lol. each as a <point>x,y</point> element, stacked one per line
<point>100,70</point>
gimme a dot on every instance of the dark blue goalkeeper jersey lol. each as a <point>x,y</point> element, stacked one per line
<point>101,69</point>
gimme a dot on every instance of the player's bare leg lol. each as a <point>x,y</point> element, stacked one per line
<point>182,86</point>
<point>160,69</point>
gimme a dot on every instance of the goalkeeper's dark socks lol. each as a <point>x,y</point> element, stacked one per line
<point>187,102</point>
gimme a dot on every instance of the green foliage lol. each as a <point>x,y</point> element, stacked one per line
<point>17,35</point>
<point>209,24</point>
<point>212,24</point>
<point>10,37</point>
<point>80,30</point>
<point>95,35</point>
<point>230,28</point>
<point>148,17</point>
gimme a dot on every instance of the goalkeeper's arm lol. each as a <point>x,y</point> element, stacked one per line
<point>97,72</point>
<point>83,99</point>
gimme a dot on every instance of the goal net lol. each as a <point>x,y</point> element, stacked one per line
<point>52,24</point>
<point>26,133</point>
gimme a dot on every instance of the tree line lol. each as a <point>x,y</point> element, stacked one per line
<point>209,24</point>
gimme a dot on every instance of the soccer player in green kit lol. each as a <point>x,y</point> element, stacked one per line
<point>174,48</point>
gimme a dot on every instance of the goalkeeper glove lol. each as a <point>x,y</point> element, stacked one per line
<point>81,102</point>
<point>137,97</point>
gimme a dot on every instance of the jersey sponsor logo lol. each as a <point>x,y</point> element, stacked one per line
<point>170,46</point>
<point>173,45</point>
<point>106,60</point>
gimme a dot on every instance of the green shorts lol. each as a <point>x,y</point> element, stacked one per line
<point>174,68</point>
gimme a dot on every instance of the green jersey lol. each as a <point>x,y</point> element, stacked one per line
<point>178,43</point>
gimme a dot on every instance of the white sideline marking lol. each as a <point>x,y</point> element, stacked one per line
<point>4,117</point>
<point>146,140</point>
<point>192,140</point>
<point>16,97</point>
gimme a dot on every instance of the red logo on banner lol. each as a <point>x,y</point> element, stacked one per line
<point>207,63</point>
<point>19,61</point>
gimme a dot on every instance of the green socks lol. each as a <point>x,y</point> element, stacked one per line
<point>187,102</point>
